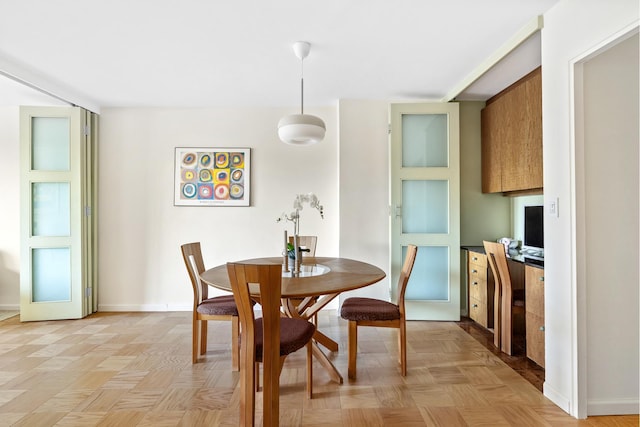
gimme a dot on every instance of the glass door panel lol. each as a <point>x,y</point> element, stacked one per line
<point>430,276</point>
<point>425,207</point>
<point>51,275</point>
<point>425,140</point>
<point>50,143</point>
<point>51,215</point>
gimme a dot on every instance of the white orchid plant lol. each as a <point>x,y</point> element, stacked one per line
<point>294,216</point>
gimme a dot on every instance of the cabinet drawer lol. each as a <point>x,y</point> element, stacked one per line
<point>478,289</point>
<point>535,338</point>
<point>534,290</point>
<point>478,312</point>
<point>477,259</point>
<point>477,273</point>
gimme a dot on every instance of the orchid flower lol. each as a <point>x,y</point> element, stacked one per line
<point>294,216</point>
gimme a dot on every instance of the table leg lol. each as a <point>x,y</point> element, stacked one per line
<point>321,338</point>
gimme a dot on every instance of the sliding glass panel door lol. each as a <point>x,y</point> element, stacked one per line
<point>425,207</point>
<point>57,228</point>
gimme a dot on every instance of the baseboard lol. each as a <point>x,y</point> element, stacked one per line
<point>613,407</point>
<point>9,307</point>
<point>558,398</point>
<point>143,308</point>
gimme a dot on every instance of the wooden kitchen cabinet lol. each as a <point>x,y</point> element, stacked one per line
<point>512,138</point>
<point>481,289</point>
<point>534,313</point>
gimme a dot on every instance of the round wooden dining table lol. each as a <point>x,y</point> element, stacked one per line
<point>320,280</point>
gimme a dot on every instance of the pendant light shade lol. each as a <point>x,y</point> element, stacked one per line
<point>301,129</point>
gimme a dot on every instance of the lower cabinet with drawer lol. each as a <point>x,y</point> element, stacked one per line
<point>534,311</point>
<point>480,288</point>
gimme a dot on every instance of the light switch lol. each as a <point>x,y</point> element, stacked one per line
<point>552,206</point>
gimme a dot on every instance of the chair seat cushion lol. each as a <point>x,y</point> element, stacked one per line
<point>219,306</point>
<point>369,309</point>
<point>294,334</point>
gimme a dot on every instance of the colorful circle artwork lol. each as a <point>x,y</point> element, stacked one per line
<point>205,160</point>
<point>188,175</point>
<point>222,176</point>
<point>189,159</point>
<point>236,175</point>
<point>212,176</point>
<point>205,175</point>
<point>205,191</point>
<point>237,160</point>
<point>237,191</point>
<point>222,192</point>
<point>222,160</point>
<point>189,190</point>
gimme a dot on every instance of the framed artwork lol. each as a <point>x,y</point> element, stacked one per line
<point>212,176</point>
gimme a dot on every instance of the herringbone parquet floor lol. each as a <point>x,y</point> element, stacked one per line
<point>134,369</point>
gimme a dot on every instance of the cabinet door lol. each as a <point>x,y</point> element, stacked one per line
<point>491,161</point>
<point>535,338</point>
<point>534,282</point>
<point>512,137</point>
<point>522,148</point>
<point>534,302</point>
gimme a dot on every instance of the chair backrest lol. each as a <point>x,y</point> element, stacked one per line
<point>497,259</point>
<point>306,242</point>
<point>192,256</point>
<point>405,274</point>
<point>503,295</point>
<point>264,280</point>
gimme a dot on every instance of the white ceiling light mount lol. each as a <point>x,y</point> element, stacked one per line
<point>301,129</point>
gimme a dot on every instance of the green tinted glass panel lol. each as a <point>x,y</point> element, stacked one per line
<point>51,277</point>
<point>51,213</point>
<point>424,140</point>
<point>50,143</point>
<point>425,206</point>
<point>430,275</point>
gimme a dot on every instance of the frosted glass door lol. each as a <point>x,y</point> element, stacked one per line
<point>425,207</point>
<point>53,231</point>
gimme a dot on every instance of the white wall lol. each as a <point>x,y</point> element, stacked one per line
<point>364,188</point>
<point>9,208</point>
<point>610,203</point>
<point>140,231</point>
<point>571,29</point>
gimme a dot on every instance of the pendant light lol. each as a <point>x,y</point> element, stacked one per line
<point>301,129</point>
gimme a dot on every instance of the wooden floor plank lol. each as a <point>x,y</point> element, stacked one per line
<point>134,369</point>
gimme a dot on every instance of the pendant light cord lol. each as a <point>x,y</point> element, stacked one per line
<point>302,86</point>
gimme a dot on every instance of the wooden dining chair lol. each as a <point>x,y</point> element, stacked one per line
<point>383,314</point>
<point>509,309</point>
<point>206,309</point>
<point>267,340</point>
<point>308,243</point>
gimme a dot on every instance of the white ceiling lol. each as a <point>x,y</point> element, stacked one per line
<point>207,53</point>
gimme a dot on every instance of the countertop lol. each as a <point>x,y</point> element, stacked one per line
<point>514,254</point>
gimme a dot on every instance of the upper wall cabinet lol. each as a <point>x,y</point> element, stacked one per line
<point>512,138</point>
